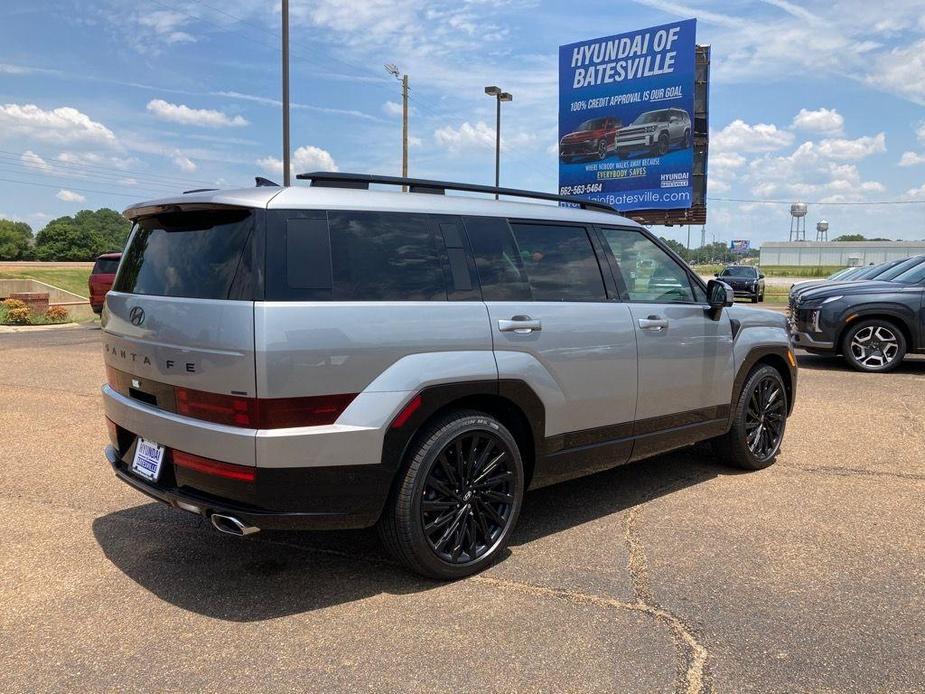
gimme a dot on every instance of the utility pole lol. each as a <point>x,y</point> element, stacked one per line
<point>286,147</point>
<point>393,70</point>
<point>499,96</point>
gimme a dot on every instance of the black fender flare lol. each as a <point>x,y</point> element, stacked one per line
<point>776,354</point>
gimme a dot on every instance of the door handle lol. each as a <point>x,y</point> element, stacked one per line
<point>653,323</point>
<point>522,325</point>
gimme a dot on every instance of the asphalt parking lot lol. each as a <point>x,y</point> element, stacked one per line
<point>672,574</point>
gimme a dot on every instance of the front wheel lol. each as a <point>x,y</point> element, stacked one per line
<point>601,150</point>
<point>663,144</point>
<point>759,420</point>
<point>457,497</point>
<point>875,346</point>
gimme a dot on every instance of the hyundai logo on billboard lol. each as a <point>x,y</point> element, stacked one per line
<point>626,105</point>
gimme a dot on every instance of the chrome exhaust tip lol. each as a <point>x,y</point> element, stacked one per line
<point>231,525</point>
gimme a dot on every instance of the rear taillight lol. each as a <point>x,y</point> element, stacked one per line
<point>262,413</point>
<point>207,466</point>
<point>214,407</point>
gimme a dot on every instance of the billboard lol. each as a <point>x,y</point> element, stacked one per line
<point>627,121</point>
<point>740,246</point>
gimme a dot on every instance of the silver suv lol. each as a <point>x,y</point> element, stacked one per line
<point>655,133</point>
<point>338,357</point>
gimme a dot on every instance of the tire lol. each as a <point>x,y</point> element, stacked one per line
<point>687,139</point>
<point>755,298</point>
<point>663,145</point>
<point>874,346</point>
<point>429,477</point>
<point>761,408</point>
<point>761,297</point>
<point>601,150</point>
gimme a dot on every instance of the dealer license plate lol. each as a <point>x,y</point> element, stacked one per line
<point>148,459</point>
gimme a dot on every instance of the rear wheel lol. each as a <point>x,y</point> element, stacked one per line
<point>874,346</point>
<point>457,498</point>
<point>759,420</point>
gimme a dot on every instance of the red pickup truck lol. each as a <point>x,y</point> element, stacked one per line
<point>101,278</point>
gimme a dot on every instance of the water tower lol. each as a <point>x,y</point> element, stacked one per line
<point>822,230</point>
<point>798,221</point>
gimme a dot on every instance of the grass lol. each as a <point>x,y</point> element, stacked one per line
<point>805,271</point>
<point>73,280</point>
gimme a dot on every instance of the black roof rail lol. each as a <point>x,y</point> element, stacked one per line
<point>198,190</point>
<point>329,179</point>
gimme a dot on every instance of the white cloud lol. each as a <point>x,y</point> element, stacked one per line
<point>479,136</point>
<point>739,136</point>
<point>853,150</point>
<point>915,193</point>
<point>34,161</point>
<point>911,159</point>
<point>823,120</point>
<point>94,159</point>
<point>70,196</point>
<point>64,124</point>
<point>167,26</point>
<point>184,163</point>
<point>902,71</point>
<point>392,108</point>
<point>304,160</point>
<point>201,117</point>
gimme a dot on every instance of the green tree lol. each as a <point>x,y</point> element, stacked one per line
<point>83,236</point>
<point>850,237</point>
<point>677,247</point>
<point>15,240</point>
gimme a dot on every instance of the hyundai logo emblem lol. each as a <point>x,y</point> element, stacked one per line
<point>137,315</point>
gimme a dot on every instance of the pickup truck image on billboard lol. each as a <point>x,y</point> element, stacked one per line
<point>625,118</point>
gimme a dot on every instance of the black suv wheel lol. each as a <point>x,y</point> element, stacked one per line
<point>759,420</point>
<point>457,498</point>
<point>874,345</point>
<point>602,150</point>
<point>663,145</point>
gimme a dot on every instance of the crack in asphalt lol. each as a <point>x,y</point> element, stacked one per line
<point>852,472</point>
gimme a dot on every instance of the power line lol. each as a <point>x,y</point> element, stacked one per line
<point>820,202</point>
<point>82,190</point>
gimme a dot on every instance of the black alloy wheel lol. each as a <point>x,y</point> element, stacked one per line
<point>764,417</point>
<point>602,150</point>
<point>457,497</point>
<point>687,139</point>
<point>468,497</point>
<point>759,419</point>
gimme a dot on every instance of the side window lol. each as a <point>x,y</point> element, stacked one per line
<point>354,256</point>
<point>500,268</point>
<point>560,262</point>
<point>650,274</point>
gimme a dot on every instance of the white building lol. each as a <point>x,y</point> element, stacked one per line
<point>841,253</point>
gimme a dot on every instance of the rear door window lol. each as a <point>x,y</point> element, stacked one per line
<point>105,266</point>
<point>204,254</point>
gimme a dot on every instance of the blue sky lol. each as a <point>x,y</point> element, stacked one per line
<point>106,102</point>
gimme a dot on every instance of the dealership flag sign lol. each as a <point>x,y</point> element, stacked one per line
<point>626,107</point>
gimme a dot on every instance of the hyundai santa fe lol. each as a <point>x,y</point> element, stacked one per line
<point>593,138</point>
<point>655,133</point>
<point>335,356</point>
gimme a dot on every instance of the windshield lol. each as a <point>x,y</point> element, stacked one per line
<point>913,275</point>
<point>594,124</point>
<point>870,271</point>
<point>650,117</point>
<point>840,273</point>
<point>899,268</point>
<point>739,272</point>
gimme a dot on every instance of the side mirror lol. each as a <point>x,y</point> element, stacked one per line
<point>761,275</point>
<point>719,296</point>
<point>716,274</point>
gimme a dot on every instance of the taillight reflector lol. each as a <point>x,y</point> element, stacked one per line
<point>262,413</point>
<point>214,467</point>
<point>409,409</point>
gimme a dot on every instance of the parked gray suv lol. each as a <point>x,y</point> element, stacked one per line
<point>330,356</point>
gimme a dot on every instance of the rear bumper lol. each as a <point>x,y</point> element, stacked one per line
<point>345,500</point>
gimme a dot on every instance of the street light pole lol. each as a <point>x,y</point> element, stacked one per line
<point>499,97</point>
<point>286,147</point>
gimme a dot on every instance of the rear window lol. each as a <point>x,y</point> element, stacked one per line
<point>206,254</point>
<point>105,266</point>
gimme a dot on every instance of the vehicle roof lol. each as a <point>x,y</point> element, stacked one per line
<point>325,198</point>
